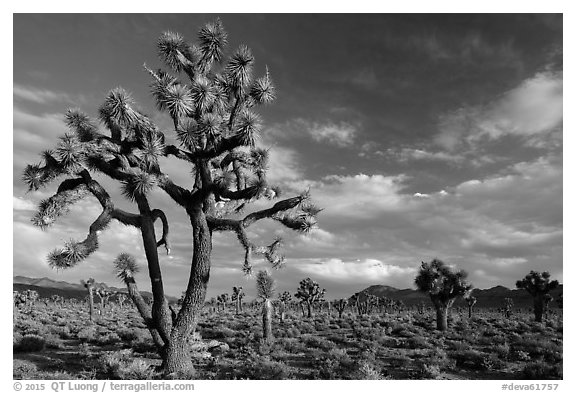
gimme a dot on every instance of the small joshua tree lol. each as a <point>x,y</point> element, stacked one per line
<point>265,287</point>
<point>284,299</point>
<point>309,292</point>
<point>89,285</point>
<point>126,267</point>
<point>103,294</point>
<point>508,307</point>
<point>470,301</point>
<point>538,285</point>
<point>444,286</point>
<point>237,295</point>
<point>340,306</point>
<point>223,300</point>
<point>120,299</point>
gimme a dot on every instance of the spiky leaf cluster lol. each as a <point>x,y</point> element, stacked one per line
<point>263,90</point>
<point>69,256</point>
<point>126,267</point>
<point>118,107</point>
<point>50,209</point>
<point>81,124</point>
<point>265,285</point>
<point>285,297</point>
<point>139,184</point>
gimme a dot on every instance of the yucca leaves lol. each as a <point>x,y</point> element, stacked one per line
<point>262,90</point>
<point>137,185</point>
<point>118,107</point>
<point>238,71</point>
<point>248,126</point>
<point>80,123</point>
<point>298,222</point>
<point>265,285</point>
<point>125,266</point>
<point>151,150</point>
<point>70,152</point>
<point>50,209</point>
<point>34,177</point>
<point>69,256</point>
<point>175,52</point>
<point>177,100</point>
<point>213,38</point>
<point>188,134</point>
<point>203,93</point>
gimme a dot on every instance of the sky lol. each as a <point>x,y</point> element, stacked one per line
<point>421,136</point>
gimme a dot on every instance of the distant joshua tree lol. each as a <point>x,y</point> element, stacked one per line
<point>340,306</point>
<point>237,295</point>
<point>538,285</point>
<point>265,287</point>
<point>223,300</point>
<point>309,293</point>
<point>470,301</point>
<point>103,294</point>
<point>508,307</point>
<point>284,299</point>
<point>89,285</point>
<point>444,286</point>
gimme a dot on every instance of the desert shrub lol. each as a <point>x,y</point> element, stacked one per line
<point>293,332</point>
<point>418,343</point>
<point>502,351</point>
<point>108,339</point>
<point>53,341</point>
<point>318,342</point>
<point>334,364</point>
<point>306,327</point>
<point>127,334</point>
<point>24,369</point>
<point>122,365</point>
<point>88,334</point>
<point>399,361</point>
<point>30,343</point>
<point>367,371</point>
<point>425,370</point>
<point>542,370</point>
<point>471,359</point>
<point>458,346</point>
<point>16,337</point>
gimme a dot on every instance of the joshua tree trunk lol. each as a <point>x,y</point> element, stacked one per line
<point>470,311</point>
<point>160,312</point>
<point>441,317</point>
<point>282,311</point>
<point>309,305</point>
<point>538,307</point>
<point>91,302</point>
<point>267,321</point>
<point>302,308</point>
<point>177,358</point>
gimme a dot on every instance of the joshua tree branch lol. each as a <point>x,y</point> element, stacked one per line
<point>126,218</point>
<point>157,213</point>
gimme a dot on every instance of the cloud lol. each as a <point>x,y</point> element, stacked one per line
<point>367,271</point>
<point>531,110</point>
<point>410,154</point>
<point>41,96</point>
<point>340,134</point>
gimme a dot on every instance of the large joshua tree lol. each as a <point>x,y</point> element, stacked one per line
<point>538,285</point>
<point>265,288</point>
<point>212,110</point>
<point>443,285</point>
<point>309,292</point>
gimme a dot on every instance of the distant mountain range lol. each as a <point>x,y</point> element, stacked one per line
<point>486,298</point>
<point>47,287</point>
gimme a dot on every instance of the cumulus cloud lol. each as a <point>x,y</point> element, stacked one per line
<point>368,270</point>
<point>532,109</point>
